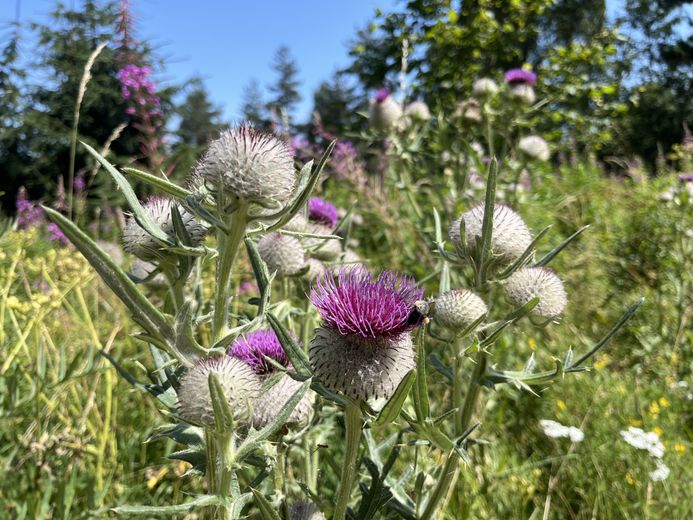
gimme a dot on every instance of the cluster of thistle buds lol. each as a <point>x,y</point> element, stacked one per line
<point>387,114</point>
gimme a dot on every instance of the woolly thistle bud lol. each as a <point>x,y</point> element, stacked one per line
<point>485,87</point>
<point>530,282</point>
<point>534,147</point>
<point>144,246</point>
<point>509,237</point>
<point>250,165</point>
<point>239,383</point>
<point>384,111</point>
<point>142,270</point>
<point>359,367</point>
<point>112,250</point>
<point>469,110</point>
<point>417,111</point>
<point>305,511</point>
<point>315,269</point>
<point>298,223</point>
<point>269,404</point>
<point>456,310</point>
<point>282,253</point>
<point>523,93</point>
<point>322,248</point>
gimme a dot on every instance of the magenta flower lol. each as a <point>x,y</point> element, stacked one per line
<point>56,235</point>
<point>252,349</point>
<point>520,76</point>
<point>353,302</point>
<point>382,94</point>
<point>686,177</point>
<point>322,211</point>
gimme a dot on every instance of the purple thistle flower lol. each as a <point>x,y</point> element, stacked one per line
<point>252,349</point>
<point>353,302</point>
<point>322,211</point>
<point>247,287</point>
<point>28,213</point>
<point>520,76</point>
<point>382,94</point>
<point>686,177</point>
<point>56,235</point>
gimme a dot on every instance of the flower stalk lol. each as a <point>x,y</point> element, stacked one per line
<point>353,421</point>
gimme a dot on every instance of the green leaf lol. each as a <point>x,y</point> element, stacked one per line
<point>267,510</point>
<point>188,350</point>
<point>293,350</point>
<point>142,310</point>
<point>160,183</point>
<point>223,415</point>
<point>199,502</point>
<point>142,217</point>
<point>391,410</point>
<point>421,403</point>
<point>556,250</point>
<point>487,224</point>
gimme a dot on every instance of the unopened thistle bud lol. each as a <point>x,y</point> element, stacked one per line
<point>523,93</point>
<point>364,348</point>
<point>521,82</point>
<point>250,165</point>
<point>144,246</point>
<point>322,248</point>
<point>282,253</point>
<point>531,282</point>
<point>484,88</point>
<point>417,111</point>
<point>384,111</point>
<point>305,511</point>
<point>240,385</point>
<point>469,110</point>
<point>510,236</point>
<point>534,147</point>
<point>456,310</point>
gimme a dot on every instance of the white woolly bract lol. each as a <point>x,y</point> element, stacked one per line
<point>239,382</point>
<point>418,111</point>
<point>484,87</point>
<point>523,93</point>
<point>282,253</point>
<point>510,235</point>
<point>141,244</point>
<point>456,310</point>
<point>534,147</point>
<point>360,368</point>
<point>298,223</point>
<point>305,511</point>
<point>384,114</point>
<point>531,282</point>
<point>269,404</point>
<point>251,165</point>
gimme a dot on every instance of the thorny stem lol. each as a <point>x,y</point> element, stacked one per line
<point>353,421</point>
<point>228,246</point>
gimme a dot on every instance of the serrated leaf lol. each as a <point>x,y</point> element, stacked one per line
<point>142,217</point>
<point>391,410</point>
<point>556,250</point>
<point>223,415</point>
<point>188,507</point>
<point>267,510</point>
<point>293,350</point>
<point>160,183</point>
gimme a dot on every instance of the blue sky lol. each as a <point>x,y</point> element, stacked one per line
<point>227,42</point>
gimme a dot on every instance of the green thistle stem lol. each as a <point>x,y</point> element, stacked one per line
<point>353,420</point>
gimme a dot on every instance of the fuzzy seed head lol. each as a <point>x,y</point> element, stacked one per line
<point>269,404</point>
<point>456,310</point>
<point>531,282</point>
<point>255,346</point>
<point>282,253</point>
<point>384,114</point>
<point>145,247</point>
<point>322,212</point>
<point>510,235</point>
<point>249,164</point>
<point>534,148</point>
<point>417,111</point>
<point>354,302</point>
<point>305,511</point>
<point>523,93</point>
<point>240,384</point>
<point>484,87</point>
<point>358,367</point>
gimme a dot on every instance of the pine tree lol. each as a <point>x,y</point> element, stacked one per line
<point>200,119</point>
<point>253,106</point>
<point>337,105</point>
<point>285,89</point>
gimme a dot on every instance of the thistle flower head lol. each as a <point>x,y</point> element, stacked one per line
<point>269,404</point>
<point>322,248</point>
<point>254,347</point>
<point>353,302</point>
<point>297,223</point>
<point>305,511</point>
<point>523,92</point>
<point>240,384</point>
<point>531,282</point>
<point>484,87</point>
<point>282,253</point>
<point>382,94</point>
<point>534,147</point>
<point>358,367</point>
<point>144,246</point>
<point>456,310</point>
<point>322,212</point>
<point>250,165</point>
<point>515,76</point>
<point>469,110</point>
<point>510,236</point>
<point>417,111</point>
<point>384,111</point>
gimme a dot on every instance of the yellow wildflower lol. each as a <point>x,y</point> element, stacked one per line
<point>679,448</point>
<point>532,343</point>
<point>664,402</point>
<point>630,479</point>
<point>560,404</point>
<point>635,422</point>
<point>601,361</point>
<point>658,431</point>
<point>654,408</point>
